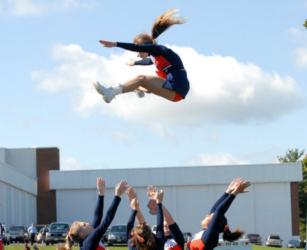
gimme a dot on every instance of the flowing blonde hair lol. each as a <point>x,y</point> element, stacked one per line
<point>162,23</point>
<point>72,235</point>
<point>142,237</point>
<point>67,245</point>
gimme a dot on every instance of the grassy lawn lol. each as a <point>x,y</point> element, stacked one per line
<point>52,247</point>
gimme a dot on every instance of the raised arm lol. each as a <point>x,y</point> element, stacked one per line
<point>130,223</point>
<point>98,212</point>
<point>224,195</point>
<point>134,204</point>
<point>173,227</point>
<point>235,187</point>
<point>95,236</point>
<point>149,48</point>
<point>119,190</point>
<point>158,196</point>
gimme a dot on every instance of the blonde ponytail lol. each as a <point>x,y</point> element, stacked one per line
<point>67,245</point>
<point>164,21</point>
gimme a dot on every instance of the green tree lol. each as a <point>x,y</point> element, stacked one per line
<point>292,155</point>
<point>305,23</point>
<point>295,155</point>
<point>302,193</point>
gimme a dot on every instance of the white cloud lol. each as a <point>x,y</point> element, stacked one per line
<point>38,7</point>
<point>223,90</point>
<point>70,163</point>
<point>216,159</point>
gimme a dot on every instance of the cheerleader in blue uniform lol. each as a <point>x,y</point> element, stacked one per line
<point>140,237</point>
<point>171,81</point>
<point>215,222</point>
<point>174,239</point>
<point>89,235</point>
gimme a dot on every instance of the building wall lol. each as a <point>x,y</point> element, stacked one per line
<point>23,160</point>
<point>46,159</point>
<point>32,190</point>
<point>21,170</point>
<point>17,187</point>
<point>189,194</point>
<point>16,206</point>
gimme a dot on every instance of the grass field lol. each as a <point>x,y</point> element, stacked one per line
<point>52,247</point>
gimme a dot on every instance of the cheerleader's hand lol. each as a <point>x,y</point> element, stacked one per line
<point>108,44</point>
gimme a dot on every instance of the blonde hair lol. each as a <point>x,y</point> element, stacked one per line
<point>67,245</point>
<point>142,237</point>
<point>162,23</point>
<point>73,233</point>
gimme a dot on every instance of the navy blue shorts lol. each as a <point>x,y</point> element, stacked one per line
<point>177,80</point>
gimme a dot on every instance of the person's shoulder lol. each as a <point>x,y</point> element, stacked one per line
<point>162,46</point>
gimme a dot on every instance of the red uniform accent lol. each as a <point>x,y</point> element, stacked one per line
<point>177,97</point>
<point>161,63</point>
<point>196,243</point>
<point>1,244</point>
<point>100,246</point>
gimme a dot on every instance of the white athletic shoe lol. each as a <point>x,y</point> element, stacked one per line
<point>139,93</point>
<point>108,94</point>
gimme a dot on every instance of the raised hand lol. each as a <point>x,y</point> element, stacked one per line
<point>240,187</point>
<point>131,193</point>
<point>134,204</point>
<point>121,187</point>
<point>152,204</point>
<point>232,185</point>
<point>107,44</point>
<point>151,191</point>
<point>159,196</point>
<point>101,186</point>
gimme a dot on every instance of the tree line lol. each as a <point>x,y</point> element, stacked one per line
<point>296,155</point>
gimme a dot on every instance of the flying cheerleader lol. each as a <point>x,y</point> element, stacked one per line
<point>171,81</point>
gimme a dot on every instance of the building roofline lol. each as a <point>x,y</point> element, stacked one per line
<point>185,175</point>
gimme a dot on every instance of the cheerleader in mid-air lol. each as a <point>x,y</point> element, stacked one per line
<point>171,83</point>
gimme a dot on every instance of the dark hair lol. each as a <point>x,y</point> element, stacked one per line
<point>142,237</point>
<point>232,236</point>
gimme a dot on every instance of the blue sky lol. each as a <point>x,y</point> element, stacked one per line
<point>246,61</point>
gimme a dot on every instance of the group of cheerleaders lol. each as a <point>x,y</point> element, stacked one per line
<point>168,235</point>
<point>172,84</point>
